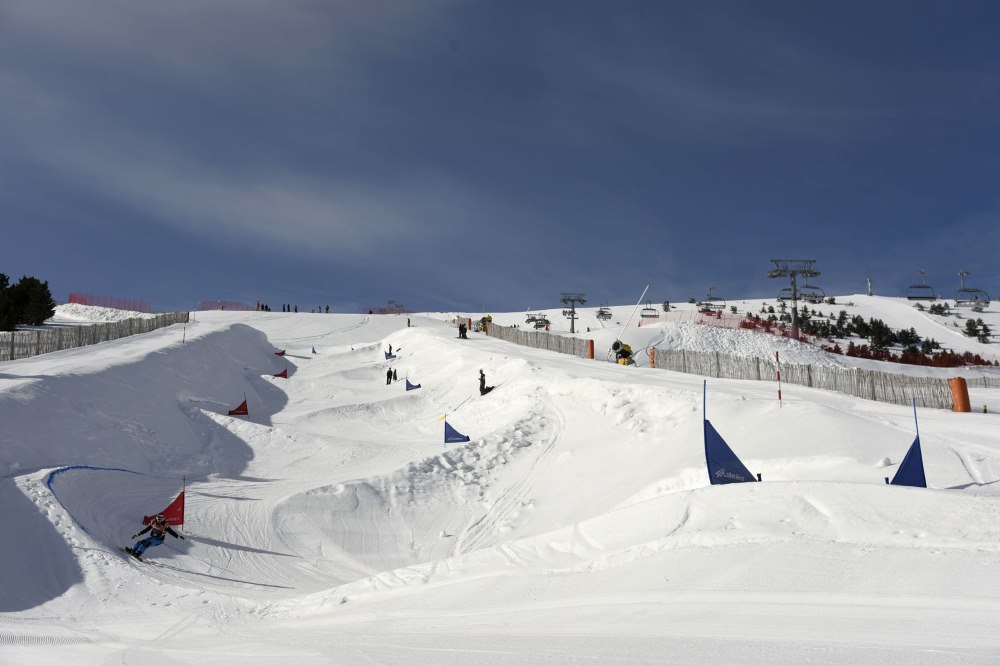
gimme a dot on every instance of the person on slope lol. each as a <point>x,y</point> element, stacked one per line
<point>157,528</point>
<point>483,388</point>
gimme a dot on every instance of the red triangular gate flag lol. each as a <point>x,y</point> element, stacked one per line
<point>283,374</point>
<point>240,411</point>
<point>173,513</point>
<point>280,353</point>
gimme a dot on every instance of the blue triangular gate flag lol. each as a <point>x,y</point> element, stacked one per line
<point>410,387</point>
<point>389,356</point>
<point>723,465</point>
<point>911,470</point>
<point>452,436</point>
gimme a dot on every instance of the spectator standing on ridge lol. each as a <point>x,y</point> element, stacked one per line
<point>394,377</point>
<point>388,376</point>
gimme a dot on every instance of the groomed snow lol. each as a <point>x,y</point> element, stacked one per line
<point>77,313</point>
<point>333,526</point>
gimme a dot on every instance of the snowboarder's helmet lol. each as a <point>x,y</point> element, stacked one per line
<point>160,518</point>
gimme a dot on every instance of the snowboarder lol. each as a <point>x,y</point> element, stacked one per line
<point>394,377</point>
<point>388,376</point>
<point>483,388</point>
<point>461,331</point>
<point>157,529</point>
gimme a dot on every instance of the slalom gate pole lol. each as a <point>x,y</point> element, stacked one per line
<point>915,423</point>
<point>777,359</point>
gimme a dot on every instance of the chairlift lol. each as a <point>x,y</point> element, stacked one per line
<point>712,303</point>
<point>604,312</point>
<point>970,295</point>
<point>811,293</point>
<point>922,291</point>
<point>785,294</point>
<point>537,319</point>
<point>649,312</point>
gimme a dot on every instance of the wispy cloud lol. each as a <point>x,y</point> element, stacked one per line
<point>74,74</point>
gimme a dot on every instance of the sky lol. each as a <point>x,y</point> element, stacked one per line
<point>333,525</point>
<point>461,156</point>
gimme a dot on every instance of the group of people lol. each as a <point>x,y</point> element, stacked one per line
<point>287,307</point>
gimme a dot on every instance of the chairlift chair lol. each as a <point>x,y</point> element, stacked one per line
<point>712,303</point>
<point>970,295</point>
<point>811,293</point>
<point>922,291</point>
<point>785,294</point>
<point>649,312</point>
<point>604,312</point>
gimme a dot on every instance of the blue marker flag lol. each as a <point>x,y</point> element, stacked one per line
<point>723,465</point>
<point>911,470</point>
<point>452,436</point>
<point>410,387</point>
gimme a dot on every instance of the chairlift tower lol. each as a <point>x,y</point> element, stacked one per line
<point>792,269</point>
<point>571,300</point>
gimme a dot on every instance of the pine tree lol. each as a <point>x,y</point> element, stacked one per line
<point>971,329</point>
<point>32,301</point>
<point>8,313</point>
<point>983,332</point>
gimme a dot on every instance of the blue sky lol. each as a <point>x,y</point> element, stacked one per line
<point>461,155</point>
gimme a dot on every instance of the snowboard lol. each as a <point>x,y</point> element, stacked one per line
<point>128,551</point>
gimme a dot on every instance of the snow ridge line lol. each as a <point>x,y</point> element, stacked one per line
<point>52,475</point>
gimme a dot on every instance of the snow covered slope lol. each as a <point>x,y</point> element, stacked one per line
<point>332,525</point>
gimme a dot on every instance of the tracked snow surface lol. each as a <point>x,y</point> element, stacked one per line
<point>333,525</point>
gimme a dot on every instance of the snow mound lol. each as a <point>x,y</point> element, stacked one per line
<point>75,312</point>
<point>740,343</point>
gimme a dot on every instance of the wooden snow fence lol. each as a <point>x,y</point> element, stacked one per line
<point>875,385</point>
<point>24,344</point>
<point>868,384</point>
<point>540,340</point>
